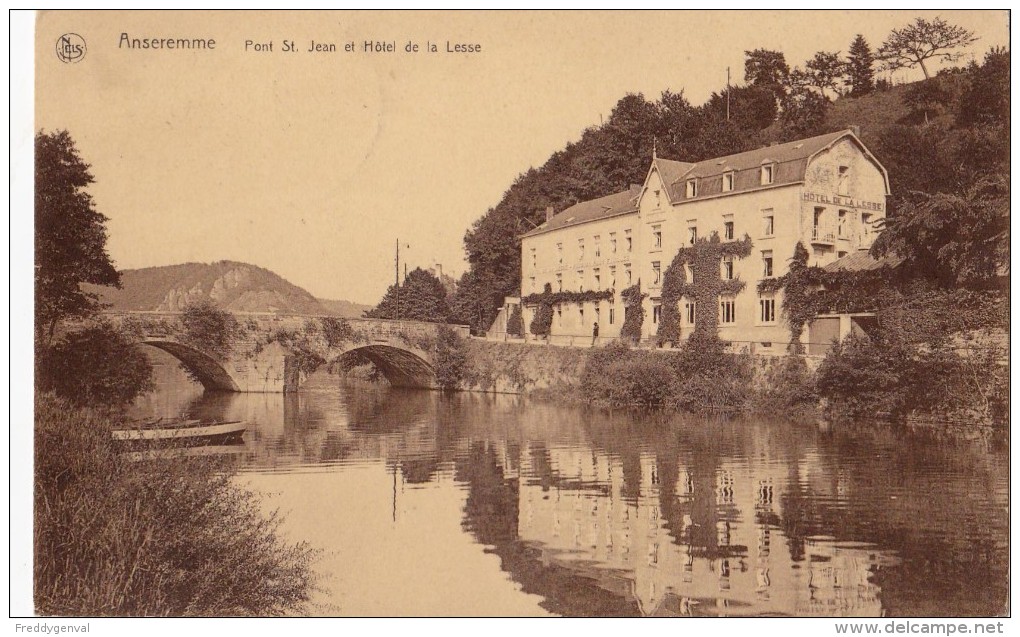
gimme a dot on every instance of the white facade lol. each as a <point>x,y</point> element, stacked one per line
<point>826,192</point>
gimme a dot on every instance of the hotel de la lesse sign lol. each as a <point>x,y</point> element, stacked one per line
<point>844,201</point>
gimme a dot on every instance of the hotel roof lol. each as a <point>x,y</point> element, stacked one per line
<point>861,260</point>
<point>790,161</point>
<point>608,206</point>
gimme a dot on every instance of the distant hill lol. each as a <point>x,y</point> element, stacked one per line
<point>346,309</point>
<point>230,285</point>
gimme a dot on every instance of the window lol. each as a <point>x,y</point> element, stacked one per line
<point>766,262</point>
<point>598,246</point>
<point>656,313</point>
<point>559,282</point>
<point>531,283</point>
<point>768,223</point>
<point>559,253</point>
<point>627,276</point>
<point>534,259</point>
<point>727,268</point>
<point>728,230</point>
<point>692,234</point>
<point>612,242</point>
<point>580,249</point>
<point>843,183</point>
<point>656,273</point>
<point>580,315</point>
<point>580,280</point>
<point>692,188</point>
<point>727,182</point>
<point>768,309</point>
<point>598,279</point>
<point>612,314</point>
<point>865,224</point>
<point>628,239</point>
<point>612,277</point>
<point>598,313</point>
<point>658,199</point>
<point>841,226</point>
<point>728,310</point>
<point>559,316</point>
<point>768,173</point>
<point>841,254</point>
<point>656,236</point>
<point>689,311</point>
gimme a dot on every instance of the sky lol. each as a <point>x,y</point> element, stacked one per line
<point>313,165</point>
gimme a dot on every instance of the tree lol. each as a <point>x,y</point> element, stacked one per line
<point>860,74</point>
<point>922,40</point>
<point>515,324</point>
<point>825,71</point>
<point>94,366</point>
<point>987,99</point>
<point>422,297</point>
<point>752,108</point>
<point>541,323</point>
<point>70,234</point>
<point>803,111</point>
<point>767,69</point>
<point>960,238</point>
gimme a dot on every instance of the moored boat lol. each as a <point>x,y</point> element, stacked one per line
<point>183,432</point>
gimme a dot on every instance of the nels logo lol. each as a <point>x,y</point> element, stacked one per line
<point>70,48</point>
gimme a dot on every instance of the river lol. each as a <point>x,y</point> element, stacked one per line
<point>470,504</point>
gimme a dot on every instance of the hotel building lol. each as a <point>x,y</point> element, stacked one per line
<point>827,192</point>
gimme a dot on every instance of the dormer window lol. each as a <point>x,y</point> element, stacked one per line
<point>727,182</point>
<point>692,188</point>
<point>768,174</point>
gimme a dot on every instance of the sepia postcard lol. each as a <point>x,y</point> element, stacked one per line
<point>693,314</point>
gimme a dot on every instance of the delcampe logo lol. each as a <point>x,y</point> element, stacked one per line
<point>71,48</point>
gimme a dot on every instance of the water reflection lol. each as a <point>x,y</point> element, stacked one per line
<point>521,508</point>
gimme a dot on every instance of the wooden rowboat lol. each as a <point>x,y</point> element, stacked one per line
<point>185,432</point>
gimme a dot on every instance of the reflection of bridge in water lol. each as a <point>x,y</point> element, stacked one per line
<point>269,352</point>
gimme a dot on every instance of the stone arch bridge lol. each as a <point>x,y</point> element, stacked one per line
<point>270,352</point>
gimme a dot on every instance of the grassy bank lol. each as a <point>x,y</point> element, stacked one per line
<point>157,538</point>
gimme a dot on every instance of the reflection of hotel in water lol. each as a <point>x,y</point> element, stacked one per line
<point>721,556</point>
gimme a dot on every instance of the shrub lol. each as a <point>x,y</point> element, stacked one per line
<point>863,377</point>
<point>336,331</point>
<point>170,537</point>
<point>541,323</point>
<point>708,379</point>
<point>616,376</point>
<point>788,386</point>
<point>451,357</point>
<point>97,365</point>
<point>209,329</point>
<point>515,324</point>
<point>919,361</point>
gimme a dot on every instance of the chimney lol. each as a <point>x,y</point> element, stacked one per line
<point>549,212</point>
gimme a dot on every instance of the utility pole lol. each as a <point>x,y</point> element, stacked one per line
<point>727,94</point>
<point>397,278</point>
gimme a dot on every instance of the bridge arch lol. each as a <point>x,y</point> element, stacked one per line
<point>401,367</point>
<point>203,367</point>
